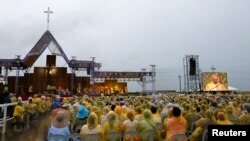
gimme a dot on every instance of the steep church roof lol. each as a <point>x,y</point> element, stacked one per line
<point>46,41</point>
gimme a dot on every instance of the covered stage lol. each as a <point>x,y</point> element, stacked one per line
<point>51,79</point>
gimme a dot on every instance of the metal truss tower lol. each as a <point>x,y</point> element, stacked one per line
<point>144,81</point>
<point>153,79</point>
<point>191,73</point>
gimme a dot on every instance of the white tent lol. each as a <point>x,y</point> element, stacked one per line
<point>230,88</point>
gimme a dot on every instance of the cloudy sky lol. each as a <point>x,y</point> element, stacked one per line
<point>128,35</point>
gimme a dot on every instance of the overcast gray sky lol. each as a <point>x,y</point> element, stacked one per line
<point>127,35</point>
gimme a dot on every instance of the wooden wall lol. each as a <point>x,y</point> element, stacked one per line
<point>41,78</point>
<point>12,82</point>
<point>55,77</point>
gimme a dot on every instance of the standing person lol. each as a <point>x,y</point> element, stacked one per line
<point>5,98</point>
<point>30,108</point>
<point>18,114</point>
<point>56,102</point>
<point>5,95</point>
<point>102,95</point>
<point>176,124</point>
<point>30,90</point>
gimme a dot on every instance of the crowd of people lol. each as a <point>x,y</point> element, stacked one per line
<point>166,114</point>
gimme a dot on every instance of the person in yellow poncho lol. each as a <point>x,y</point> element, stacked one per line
<point>43,104</point>
<point>48,103</point>
<point>18,113</point>
<point>130,125</point>
<point>38,101</point>
<point>112,125</point>
<point>92,126</point>
<point>13,98</point>
<point>30,108</point>
<point>245,118</point>
<point>222,119</point>
<point>147,123</point>
<point>118,111</point>
<point>202,124</point>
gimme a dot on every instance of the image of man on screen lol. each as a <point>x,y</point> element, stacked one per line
<point>215,84</point>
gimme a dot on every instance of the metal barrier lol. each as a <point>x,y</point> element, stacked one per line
<point>5,118</point>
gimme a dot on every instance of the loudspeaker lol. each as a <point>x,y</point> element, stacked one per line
<point>88,70</point>
<point>192,68</point>
<point>0,70</point>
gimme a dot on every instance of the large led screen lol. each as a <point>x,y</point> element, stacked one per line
<point>214,81</point>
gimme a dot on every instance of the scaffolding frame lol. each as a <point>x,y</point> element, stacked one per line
<point>191,82</point>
